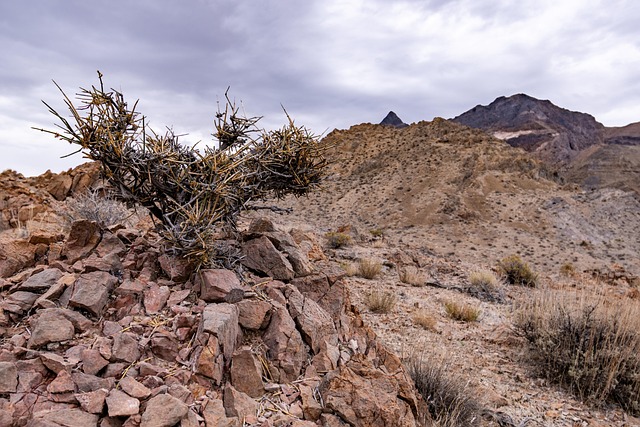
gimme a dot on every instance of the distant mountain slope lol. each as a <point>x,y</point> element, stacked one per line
<point>554,134</point>
<point>392,119</point>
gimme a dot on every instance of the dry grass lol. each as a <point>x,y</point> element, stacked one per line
<point>448,398</point>
<point>93,206</point>
<point>485,285</point>
<point>411,276</point>
<point>369,268</point>
<point>587,344</point>
<point>517,272</point>
<point>349,268</point>
<point>380,302</point>
<point>461,311</point>
<point>425,319</point>
<point>567,269</point>
<point>337,240</point>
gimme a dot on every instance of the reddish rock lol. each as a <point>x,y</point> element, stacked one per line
<point>8,377</point>
<point>59,186</point>
<point>210,360</point>
<point>63,417</point>
<point>86,383</point>
<point>221,285</point>
<point>83,238</point>
<point>246,372</point>
<point>108,263</point>
<point>91,291</point>
<point>62,383</point>
<point>19,302</point>
<point>134,388</point>
<point>155,297</point>
<point>221,320</point>
<point>93,401</point>
<point>238,404</point>
<point>56,363</point>
<point>125,347</point>
<point>313,322</point>
<point>92,361</point>
<point>163,410</point>
<point>253,314</point>
<point>177,297</point>
<point>311,408</point>
<point>121,404</point>
<point>16,256</point>
<point>178,270</point>
<point>286,348</point>
<point>260,255</point>
<point>50,326</point>
<point>164,345</point>
<point>130,286</point>
<point>42,281</point>
<point>215,415</point>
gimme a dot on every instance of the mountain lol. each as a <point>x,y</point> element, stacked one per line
<point>391,119</point>
<point>556,135</point>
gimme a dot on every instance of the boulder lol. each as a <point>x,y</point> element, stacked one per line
<point>253,314</point>
<point>163,410</point>
<point>221,285</point>
<point>221,320</point>
<point>134,388</point>
<point>246,372</point>
<point>59,186</point>
<point>50,326</point>
<point>260,255</point>
<point>287,350</point>
<point>42,281</point>
<point>121,404</point>
<point>84,236</point>
<point>8,377</point>
<point>91,291</point>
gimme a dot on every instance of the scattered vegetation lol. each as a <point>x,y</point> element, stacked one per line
<point>411,276</point>
<point>462,312</point>
<point>449,400</point>
<point>94,206</point>
<point>380,302</point>
<point>349,268</point>
<point>517,272</point>
<point>567,269</point>
<point>337,240</point>
<point>485,285</point>
<point>369,268</point>
<point>425,319</point>
<point>588,345</point>
<point>187,190</point>
<point>377,232</point>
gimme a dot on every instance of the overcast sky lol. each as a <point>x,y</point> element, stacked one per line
<point>330,63</point>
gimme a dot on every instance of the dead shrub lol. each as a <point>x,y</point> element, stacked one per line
<point>411,276</point>
<point>369,268</point>
<point>517,272</point>
<point>380,302</point>
<point>101,208</point>
<point>485,285</point>
<point>462,312</point>
<point>448,398</point>
<point>585,344</point>
<point>567,269</point>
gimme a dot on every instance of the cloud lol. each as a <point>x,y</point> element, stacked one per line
<point>330,63</point>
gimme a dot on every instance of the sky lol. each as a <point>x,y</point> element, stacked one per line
<point>330,63</point>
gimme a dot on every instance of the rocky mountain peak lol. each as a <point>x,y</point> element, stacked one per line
<point>392,119</point>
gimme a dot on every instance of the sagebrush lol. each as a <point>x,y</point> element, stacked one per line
<point>517,272</point>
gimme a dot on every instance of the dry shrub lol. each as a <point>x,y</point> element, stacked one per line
<point>369,268</point>
<point>411,276</point>
<point>425,319</point>
<point>486,286</point>
<point>349,268</point>
<point>463,312</point>
<point>101,208</point>
<point>517,272</point>
<point>567,269</point>
<point>448,398</point>
<point>380,302</point>
<point>337,240</point>
<point>586,344</point>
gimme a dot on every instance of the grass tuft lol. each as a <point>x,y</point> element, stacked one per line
<point>517,272</point>
<point>337,240</point>
<point>369,268</point>
<point>425,319</point>
<point>411,276</point>
<point>462,312</point>
<point>380,302</point>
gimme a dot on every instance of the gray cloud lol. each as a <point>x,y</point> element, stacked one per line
<point>331,63</point>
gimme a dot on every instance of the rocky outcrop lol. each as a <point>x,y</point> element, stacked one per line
<point>391,119</point>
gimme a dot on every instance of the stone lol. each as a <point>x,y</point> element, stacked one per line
<point>210,360</point>
<point>56,363</point>
<point>215,415</point>
<point>86,383</point>
<point>41,282</point>
<point>253,314</point>
<point>50,326</point>
<point>163,410</point>
<point>164,345</point>
<point>8,377</point>
<point>260,255</point>
<point>46,299</point>
<point>84,236</point>
<point>91,291</point>
<point>130,286</point>
<point>191,420</point>
<point>221,320</point>
<point>93,401</point>
<point>125,347</point>
<point>63,417</point>
<point>221,285</point>
<point>155,298</point>
<point>246,372</point>
<point>20,301</point>
<point>16,256</point>
<point>110,244</point>
<point>121,404</point>
<point>178,270</point>
<point>311,408</point>
<point>181,392</point>
<point>177,297</point>
<point>92,361</point>
<point>286,347</point>
<point>299,260</point>
<point>109,263</point>
<point>238,404</point>
<point>134,388</point>
<point>315,325</point>
<point>59,186</point>
<point>62,383</point>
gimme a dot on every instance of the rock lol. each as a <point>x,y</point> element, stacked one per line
<point>238,404</point>
<point>130,287</point>
<point>261,225</point>
<point>363,395</point>
<point>46,300</point>
<point>19,302</point>
<point>253,314</point>
<point>246,372</point>
<point>164,345</point>
<point>62,383</point>
<point>163,410</point>
<point>134,388</point>
<point>16,256</point>
<point>59,186</point>
<point>210,360</point>
<point>178,270</point>
<point>221,320</point>
<point>91,291</point>
<point>63,417</point>
<point>93,401</point>
<point>215,415</point>
<point>311,408</point>
<point>260,255</point>
<point>286,348</point>
<point>177,297</point>
<point>50,326</point>
<point>92,361</point>
<point>83,237</point>
<point>125,347</point>
<point>121,404</point>
<point>191,420</point>
<point>313,322</point>
<point>109,263</point>
<point>299,260</point>
<point>220,285</point>
<point>86,383</point>
<point>57,363</point>
<point>8,377</point>
<point>41,282</point>
<point>155,297</point>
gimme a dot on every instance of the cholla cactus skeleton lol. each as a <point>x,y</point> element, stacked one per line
<point>187,190</point>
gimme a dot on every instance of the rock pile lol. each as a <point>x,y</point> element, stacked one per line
<point>103,329</point>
